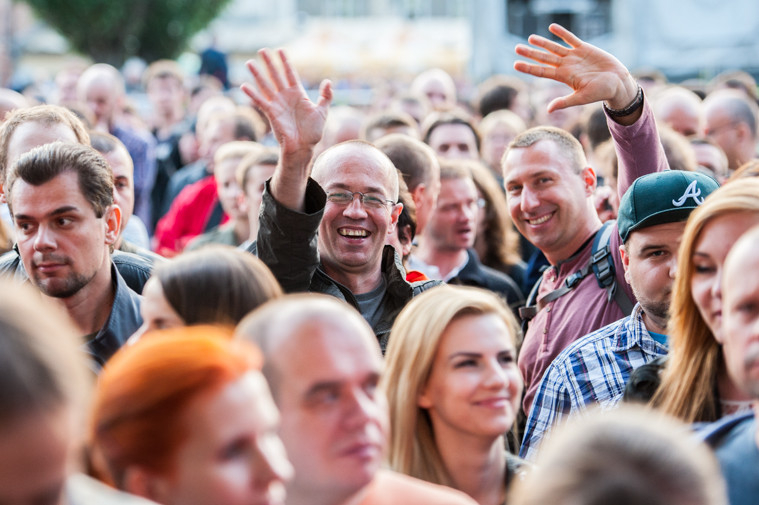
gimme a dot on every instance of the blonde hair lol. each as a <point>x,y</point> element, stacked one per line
<point>689,383</point>
<point>414,341</point>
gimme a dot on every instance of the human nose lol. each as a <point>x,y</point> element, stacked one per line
<point>529,200</point>
<point>355,209</point>
<point>45,239</point>
<point>495,374</point>
<point>717,285</point>
<point>271,463</point>
<point>360,408</point>
<point>673,267</point>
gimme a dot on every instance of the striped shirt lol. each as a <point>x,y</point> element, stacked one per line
<point>592,370</point>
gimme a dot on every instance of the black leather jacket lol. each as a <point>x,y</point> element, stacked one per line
<point>287,245</point>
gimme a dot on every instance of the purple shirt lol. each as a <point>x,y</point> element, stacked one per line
<point>587,308</point>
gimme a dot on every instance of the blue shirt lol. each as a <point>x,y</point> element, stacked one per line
<point>592,370</point>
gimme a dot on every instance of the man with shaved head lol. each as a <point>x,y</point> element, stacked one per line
<point>324,229</point>
<point>323,364</point>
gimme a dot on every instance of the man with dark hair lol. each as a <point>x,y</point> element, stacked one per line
<point>451,136</point>
<point>61,199</point>
<point>595,368</point>
<point>419,167</point>
<point>40,125</point>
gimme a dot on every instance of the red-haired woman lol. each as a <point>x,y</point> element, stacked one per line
<point>186,418</point>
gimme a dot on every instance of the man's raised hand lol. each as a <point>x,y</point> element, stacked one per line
<point>296,121</point>
<point>592,73</point>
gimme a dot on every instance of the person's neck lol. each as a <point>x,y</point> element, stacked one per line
<point>654,324</point>
<point>585,231</point>
<point>358,282</point>
<point>476,465</point>
<point>90,307</point>
<point>444,259</point>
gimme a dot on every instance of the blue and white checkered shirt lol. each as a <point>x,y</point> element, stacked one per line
<point>592,370</point>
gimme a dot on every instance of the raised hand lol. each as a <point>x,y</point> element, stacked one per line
<point>296,121</point>
<point>592,73</point>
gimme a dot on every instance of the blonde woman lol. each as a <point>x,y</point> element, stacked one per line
<point>454,389</point>
<point>695,385</point>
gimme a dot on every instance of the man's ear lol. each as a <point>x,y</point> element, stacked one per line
<point>589,180</point>
<point>418,194</point>
<point>625,262</point>
<point>112,224</point>
<point>395,213</point>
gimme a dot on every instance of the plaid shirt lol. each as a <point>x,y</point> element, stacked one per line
<point>592,370</point>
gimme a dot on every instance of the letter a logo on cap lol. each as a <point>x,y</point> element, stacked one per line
<point>692,191</point>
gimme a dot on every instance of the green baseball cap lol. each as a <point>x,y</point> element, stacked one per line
<point>662,197</point>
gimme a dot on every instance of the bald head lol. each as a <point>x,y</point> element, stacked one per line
<point>283,325</point>
<point>361,155</point>
<point>101,87</point>
<point>731,121</point>
<point>679,108</point>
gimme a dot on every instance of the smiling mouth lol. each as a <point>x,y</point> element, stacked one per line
<point>539,220</point>
<point>349,232</point>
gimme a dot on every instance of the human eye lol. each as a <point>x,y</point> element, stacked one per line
<point>465,363</point>
<point>234,450</point>
<point>506,358</point>
<point>703,268</point>
<point>64,222</point>
<point>340,197</point>
<point>373,201</point>
<point>514,189</point>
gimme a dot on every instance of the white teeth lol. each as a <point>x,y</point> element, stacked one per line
<point>540,220</point>
<point>352,233</point>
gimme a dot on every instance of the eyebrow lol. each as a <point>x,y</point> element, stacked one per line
<point>57,212</point>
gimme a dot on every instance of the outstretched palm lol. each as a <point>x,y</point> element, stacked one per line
<point>592,73</point>
<point>296,121</point>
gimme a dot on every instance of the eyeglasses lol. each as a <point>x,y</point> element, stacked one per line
<point>368,201</point>
<point>713,131</point>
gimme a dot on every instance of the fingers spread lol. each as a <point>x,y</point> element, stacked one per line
<point>539,56</point>
<point>548,45</point>
<point>565,35</point>
<point>325,94</point>
<point>264,87</point>
<point>536,70</point>
<point>273,71</point>
<point>291,75</point>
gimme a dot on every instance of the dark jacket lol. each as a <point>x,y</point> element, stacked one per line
<point>135,269</point>
<point>476,274</point>
<point>287,244</point>
<point>122,322</point>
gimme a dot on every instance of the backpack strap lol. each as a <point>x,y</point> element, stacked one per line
<point>601,263</point>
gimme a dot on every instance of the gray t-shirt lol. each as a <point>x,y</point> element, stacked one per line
<point>369,304</point>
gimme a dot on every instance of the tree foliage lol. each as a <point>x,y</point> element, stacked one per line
<point>111,31</point>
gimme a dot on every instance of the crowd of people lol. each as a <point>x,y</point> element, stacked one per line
<point>544,294</point>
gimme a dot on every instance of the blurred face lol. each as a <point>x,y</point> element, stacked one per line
<point>156,311</point>
<point>62,243</point>
<point>165,94</point>
<point>334,421</point>
<point>494,144</point>
<point>102,100</point>
<point>254,191</point>
<point>453,224</point>
<point>227,188</point>
<point>36,458</point>
<point>233,455</point>
<point>438,95</point>
<point>454,141</point>
<point>684,120</point>
<point>123,182</point>
<point>712,158</point>
<point>548,200</point>
<point>475,387</point>
<point>351,237</point>
<point>217,133</point>
<point>709,253</point>
<point>721,128</point>
<point>650,261</point>
<point>741,321</point>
